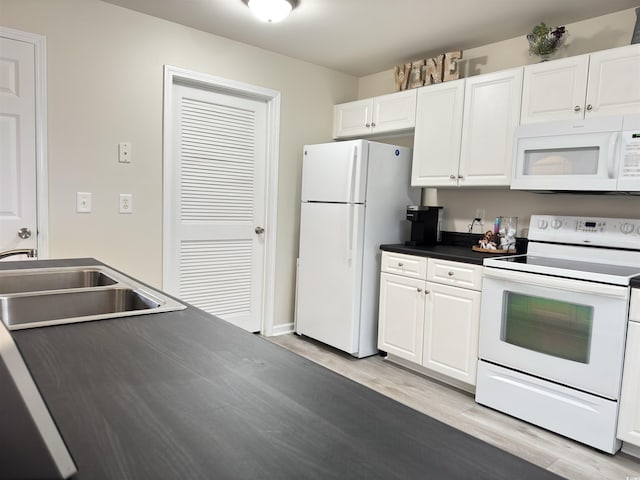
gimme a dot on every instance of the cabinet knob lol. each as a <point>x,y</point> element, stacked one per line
<point>589,107</point>
<point>373,124</point>
<point>400,264</point>
<point>452,176</point>
<point>451,274</point>
<point>419,290</point>
<point>460,177</point>
<point>576,108</point>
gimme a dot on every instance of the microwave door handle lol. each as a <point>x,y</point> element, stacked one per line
<point>613,140</point>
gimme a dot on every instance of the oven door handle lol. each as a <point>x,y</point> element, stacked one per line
<point>547,281</point>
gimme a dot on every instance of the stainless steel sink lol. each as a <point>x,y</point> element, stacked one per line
<point>50,296</point>
<point>34,281</point>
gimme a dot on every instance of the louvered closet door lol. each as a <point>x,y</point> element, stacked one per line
<point>217,259</point>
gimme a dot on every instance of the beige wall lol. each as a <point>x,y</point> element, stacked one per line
<point>105,80</point>
<point>601,33</point>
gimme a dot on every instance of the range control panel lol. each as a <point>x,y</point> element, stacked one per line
<point>597,231</point>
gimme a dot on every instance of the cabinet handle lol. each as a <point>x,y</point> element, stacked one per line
<point>451,274</point>
<point>576,108</point>
<point>589,107</point>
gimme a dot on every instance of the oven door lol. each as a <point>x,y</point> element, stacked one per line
<point>571,332</point>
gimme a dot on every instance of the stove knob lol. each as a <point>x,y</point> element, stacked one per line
<point>542,224</point>
<point>556,224</point>
<point>627,228</point>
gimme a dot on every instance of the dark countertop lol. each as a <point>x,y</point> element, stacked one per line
<point>455,246</point>
<point>444,252</point>
<point>185,395</point>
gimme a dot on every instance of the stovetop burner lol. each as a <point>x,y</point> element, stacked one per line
<point>575,247</point>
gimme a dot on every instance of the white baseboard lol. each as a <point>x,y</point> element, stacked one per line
<point>281,329</point>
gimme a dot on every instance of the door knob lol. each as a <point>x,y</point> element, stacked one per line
<point>259,230</point>
<point>24,233</point>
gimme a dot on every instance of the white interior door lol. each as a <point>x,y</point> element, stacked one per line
<point>214,256</point>
<point>17,145</point>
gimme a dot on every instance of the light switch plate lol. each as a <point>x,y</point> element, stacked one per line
<point>83,202</point>
<point>124,152</point>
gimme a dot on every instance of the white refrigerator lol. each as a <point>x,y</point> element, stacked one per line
<point>354,198</point>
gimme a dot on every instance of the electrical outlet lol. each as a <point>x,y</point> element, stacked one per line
<point>126,203</point>
<point>83,202</point>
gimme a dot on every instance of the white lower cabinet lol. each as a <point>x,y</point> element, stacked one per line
<point>430,317</point>
<point>402,308</point>
<point>451,331</point>
<point>629,412</point>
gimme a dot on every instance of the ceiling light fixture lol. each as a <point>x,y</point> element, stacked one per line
<point>271,10</point>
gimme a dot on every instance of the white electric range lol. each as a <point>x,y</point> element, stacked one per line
<point>553,326</point>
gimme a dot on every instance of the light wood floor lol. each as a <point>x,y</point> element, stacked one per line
<point>458,409</point>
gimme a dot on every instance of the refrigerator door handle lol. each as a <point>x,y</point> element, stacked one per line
<point>351,178</point>
<point>350,226</point>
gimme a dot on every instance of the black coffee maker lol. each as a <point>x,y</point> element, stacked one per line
<point>425,225</point>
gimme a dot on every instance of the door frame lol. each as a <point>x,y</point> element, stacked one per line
<point>42,173</point>
<point>173,75</point>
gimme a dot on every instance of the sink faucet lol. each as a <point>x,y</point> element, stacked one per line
<point>29,252</point>
<point>473,222</point>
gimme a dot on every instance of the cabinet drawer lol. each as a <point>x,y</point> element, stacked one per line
<point>407,265</point>
<point>460,274</point>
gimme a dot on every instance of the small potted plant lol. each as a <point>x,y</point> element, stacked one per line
<point>544,41</point>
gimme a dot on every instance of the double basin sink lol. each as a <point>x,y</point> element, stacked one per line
<point>41,297</point>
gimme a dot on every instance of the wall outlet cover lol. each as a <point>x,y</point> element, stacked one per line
<point>126,203</point>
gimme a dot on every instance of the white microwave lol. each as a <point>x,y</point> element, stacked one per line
<point>593,155</point>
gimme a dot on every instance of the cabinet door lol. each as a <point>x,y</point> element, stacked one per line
<point>614,82</point>
<point>436,147</point>
<point>394,112</point>
<point>491,115</point>
<point>352,119</point>
<point>629,416</point>
<point>401,316</point>
<point>452,320</point>
<point>554,90</point>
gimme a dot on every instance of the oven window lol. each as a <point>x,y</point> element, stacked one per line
<point>553,327</point>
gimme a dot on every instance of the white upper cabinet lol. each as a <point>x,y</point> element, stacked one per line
<point>464,131</point>
<point>554,90</point>
<point>436,144</point>
<point>395,112</point>
<point>613,87</point>
<point>599,84</point>
<point>491,115</point>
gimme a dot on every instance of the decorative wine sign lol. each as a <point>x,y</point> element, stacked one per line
<point>438,69</point>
